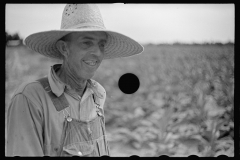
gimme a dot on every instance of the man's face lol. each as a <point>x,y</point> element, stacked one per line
<point>86,51</point>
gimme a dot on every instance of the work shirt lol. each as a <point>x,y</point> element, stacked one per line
<point>35,127</point>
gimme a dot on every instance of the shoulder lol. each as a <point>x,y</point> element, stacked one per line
<point>99,88</point>
<point>32,90</point>
<point>27,87</point>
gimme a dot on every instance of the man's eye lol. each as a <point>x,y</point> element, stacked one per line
<point>102,44</point>
<point>87,43</point>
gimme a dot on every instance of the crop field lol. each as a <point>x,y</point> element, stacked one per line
<point>184,105</point>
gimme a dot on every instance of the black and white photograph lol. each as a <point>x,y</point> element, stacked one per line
<point>119,80</point>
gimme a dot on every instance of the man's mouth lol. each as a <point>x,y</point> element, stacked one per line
<point>91,63</point>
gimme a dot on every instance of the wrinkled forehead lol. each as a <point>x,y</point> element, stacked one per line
<point>95,35</point>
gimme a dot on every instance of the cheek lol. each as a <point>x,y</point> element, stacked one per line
<point>75,58</point>
<point>74,63</point>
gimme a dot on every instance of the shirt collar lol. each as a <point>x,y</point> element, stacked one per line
<point>58,87</point>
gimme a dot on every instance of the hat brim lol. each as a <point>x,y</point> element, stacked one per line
<point>118,45</point>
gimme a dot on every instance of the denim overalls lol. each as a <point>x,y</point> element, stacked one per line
<point>79,138</point>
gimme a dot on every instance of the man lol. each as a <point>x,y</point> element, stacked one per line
<point>62,114</point>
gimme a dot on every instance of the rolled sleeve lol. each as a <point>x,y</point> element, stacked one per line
<point>24,128</point>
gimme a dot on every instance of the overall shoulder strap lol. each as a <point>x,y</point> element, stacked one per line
<point>61,102</point>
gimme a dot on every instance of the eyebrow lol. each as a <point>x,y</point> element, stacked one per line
<point>90,38</point>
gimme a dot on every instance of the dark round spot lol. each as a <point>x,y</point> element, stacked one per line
<point>134,156</point>
<point>193,156</point>
<point>128,83</point>
<point>164,156</point>
<point>105,156</point>
<point>222,156</point>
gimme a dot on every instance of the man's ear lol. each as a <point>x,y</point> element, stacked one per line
<point>62,47</point>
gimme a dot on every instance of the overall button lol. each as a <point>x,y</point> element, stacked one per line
<point>69,119</point>
<point>79,153</point>
<point>99,113</point>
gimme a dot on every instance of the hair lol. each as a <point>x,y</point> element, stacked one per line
<point>65,38</point>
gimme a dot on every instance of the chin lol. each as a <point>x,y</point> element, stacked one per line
<point>88,76</point>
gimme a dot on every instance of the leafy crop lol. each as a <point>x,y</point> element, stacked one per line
<point>184,105</point>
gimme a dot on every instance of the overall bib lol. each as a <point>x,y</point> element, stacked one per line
<point>79,138</point>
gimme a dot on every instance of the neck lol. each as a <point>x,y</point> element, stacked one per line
<point>67,76</point>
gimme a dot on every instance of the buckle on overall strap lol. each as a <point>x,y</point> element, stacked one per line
<point>69,119</point>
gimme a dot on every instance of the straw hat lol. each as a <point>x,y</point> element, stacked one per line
<point>82,18</point>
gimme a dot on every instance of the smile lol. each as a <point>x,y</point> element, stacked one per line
<point>91,63</point>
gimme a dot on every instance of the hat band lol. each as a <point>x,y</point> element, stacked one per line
<point>86,25</point>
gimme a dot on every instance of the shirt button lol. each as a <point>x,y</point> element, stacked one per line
<point>56,149</point>
<point>89,130</point>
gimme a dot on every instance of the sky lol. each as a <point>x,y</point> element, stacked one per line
<point>145,23</point>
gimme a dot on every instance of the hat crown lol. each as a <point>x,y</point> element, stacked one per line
<point>76,16</point>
